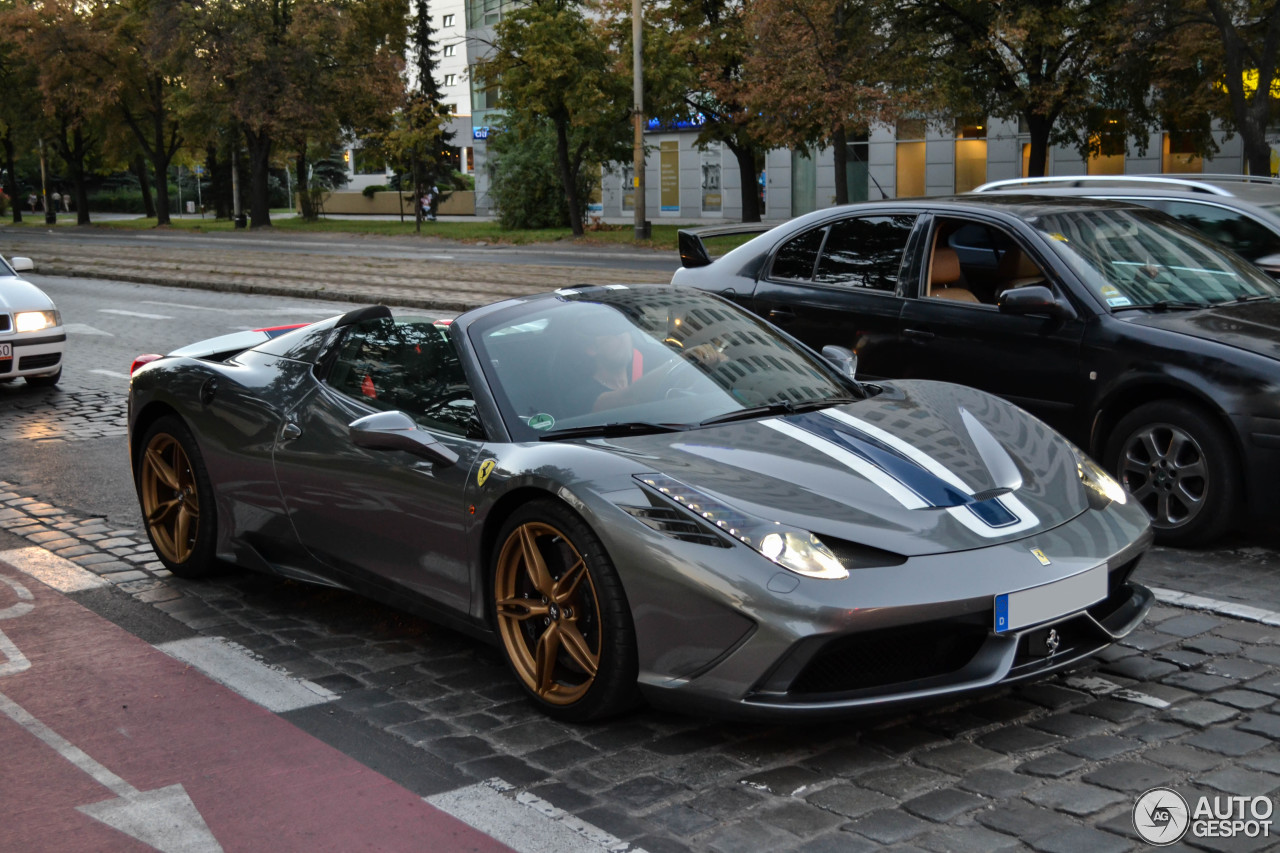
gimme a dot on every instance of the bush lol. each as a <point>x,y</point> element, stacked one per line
<point>368,191</point>
<point>524,183</point>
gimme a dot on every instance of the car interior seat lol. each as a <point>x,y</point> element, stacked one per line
<point>1017,269</point>
<point>945,277</point>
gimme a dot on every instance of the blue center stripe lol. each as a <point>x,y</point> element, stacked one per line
<point>926,485</point>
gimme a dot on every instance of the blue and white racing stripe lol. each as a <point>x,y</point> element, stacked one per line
<point>909,475</point>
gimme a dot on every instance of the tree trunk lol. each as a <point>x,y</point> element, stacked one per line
<point>144,185</point>
<point>566,176</point>
<point>840,140</point>
<point>259,146</point>
<point>219,182</point>
<point>305,198</point>
<point>1250,114</point>
<point>746,157</point>
<point>1040,127</point>
<point>11,170</point>
<point>1253,133</point>
<point>73,151</point>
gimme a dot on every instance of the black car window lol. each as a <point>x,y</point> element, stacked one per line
<point>1231,228</point>
<point>408,365</point>
<point>865,252</point>
<point>797,257</point>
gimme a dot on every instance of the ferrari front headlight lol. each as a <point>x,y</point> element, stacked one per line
<point>798,551</point>
<point>35,321</point>
<point>1098,481</point>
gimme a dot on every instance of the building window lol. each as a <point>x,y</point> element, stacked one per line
<point>971,153</point>
<point>1106,150</point>
<point>1180,156</point>
<point>910,151</point>
<point>452,108</point>
<point>446,21</point>
<point>451,79</point>
<point>450,50</point>
<point>712,158</point>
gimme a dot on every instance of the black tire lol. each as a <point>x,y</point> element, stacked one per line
<point>591,671</point>
<point>169,474</point>
<point>1178,463</point>
<point>47,380</point>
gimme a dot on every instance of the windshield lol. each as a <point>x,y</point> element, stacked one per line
<point>665,357</point>
<point>1134,258</point>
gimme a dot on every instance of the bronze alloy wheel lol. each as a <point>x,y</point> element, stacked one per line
<point>548,613</point>
<point>170,498</point>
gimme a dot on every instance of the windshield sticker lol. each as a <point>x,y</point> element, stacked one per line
<point>542,421</point>
<point>1110,290</point>
<point>1061,238</point>
<point>486,468</point>
<point>1118,301</point>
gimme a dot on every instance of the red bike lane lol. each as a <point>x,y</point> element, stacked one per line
<point>107,743</point>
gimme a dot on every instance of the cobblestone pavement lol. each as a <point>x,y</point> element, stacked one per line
<point>411,282</point>
<point>1192,701</point>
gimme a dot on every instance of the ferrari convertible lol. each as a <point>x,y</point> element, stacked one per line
<point>644,493</point>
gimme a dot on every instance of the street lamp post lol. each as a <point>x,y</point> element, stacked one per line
<point>641,225</point>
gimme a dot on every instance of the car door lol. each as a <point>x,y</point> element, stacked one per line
<point>384,516</point>
<point>837,283</point>
<point>953,331</point>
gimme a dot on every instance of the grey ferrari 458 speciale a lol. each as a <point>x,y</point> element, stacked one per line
<point>644,492</point>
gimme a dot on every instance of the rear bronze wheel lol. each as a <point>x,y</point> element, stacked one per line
<point>562,616</point>
<point>176,498</point>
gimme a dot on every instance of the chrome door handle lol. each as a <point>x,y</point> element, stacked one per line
<point>290,431</point>
<point>917,335</point>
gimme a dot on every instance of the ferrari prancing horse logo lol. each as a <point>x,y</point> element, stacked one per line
<point>1036,552</point>
<point>486,468</point>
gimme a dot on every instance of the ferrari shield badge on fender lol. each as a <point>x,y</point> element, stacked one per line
<point>486,468</point>
<point>1036,552</point>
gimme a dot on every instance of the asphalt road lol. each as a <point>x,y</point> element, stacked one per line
<point>1191,701</point>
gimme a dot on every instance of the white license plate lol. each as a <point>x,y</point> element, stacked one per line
<point>6,350</point>
<point>1038,604</point>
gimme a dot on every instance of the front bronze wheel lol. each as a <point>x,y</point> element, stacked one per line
<point>561,615</point>
<point>176,499</point>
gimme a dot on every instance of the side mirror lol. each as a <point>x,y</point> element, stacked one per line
<point>842,359</point>
<point>1270,264</point>
<point>396,431</point>
<point>1033,299</point>
<point>22,264</point>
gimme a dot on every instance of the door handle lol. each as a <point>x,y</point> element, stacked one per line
<point>290,431</point>
<point>781,315</point>
<point>919,335</point>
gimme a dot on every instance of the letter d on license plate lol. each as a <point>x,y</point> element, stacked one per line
<point>1038,604</point>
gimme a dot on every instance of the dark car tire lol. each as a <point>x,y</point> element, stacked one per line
<point>590,673</point>
<point>47,380</point>
<point>176,497</point>
<point>1179,464</point>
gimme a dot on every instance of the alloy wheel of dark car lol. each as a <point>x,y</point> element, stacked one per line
<point>561,615</point>
<point>177,500</point>
<point>1178,465</point>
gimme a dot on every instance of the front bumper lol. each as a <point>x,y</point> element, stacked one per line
<point>919,632</point>
<point>33,354</point>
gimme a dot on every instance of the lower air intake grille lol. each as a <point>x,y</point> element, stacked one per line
<point>889,656</point>
<point>35,362</point>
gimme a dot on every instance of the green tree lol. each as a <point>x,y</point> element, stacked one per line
<point>524,184</point>
<point>551,64</point>
<point>821,72</point>
<point>298,72</point>
<point>1043,61</point>
<point>19,108</point>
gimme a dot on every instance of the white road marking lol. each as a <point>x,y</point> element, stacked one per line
<point>165,818</point>
<point>232,666</point>
<point>524,822</point>
<point>51,570</point>
<point>84,329</point>
<point>138,314</point>
<point>114,374</point>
